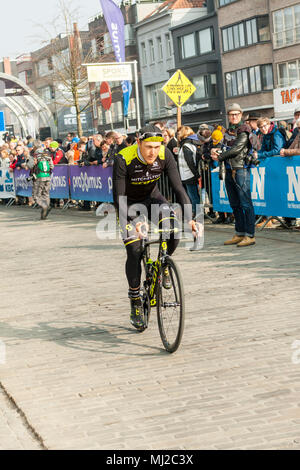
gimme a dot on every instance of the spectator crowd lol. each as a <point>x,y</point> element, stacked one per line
<point>191,150</point>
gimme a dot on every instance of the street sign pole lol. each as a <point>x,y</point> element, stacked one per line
<point>178,117</point>
<point>137,98</point>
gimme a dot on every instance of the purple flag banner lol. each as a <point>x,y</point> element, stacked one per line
<point>115,23</point>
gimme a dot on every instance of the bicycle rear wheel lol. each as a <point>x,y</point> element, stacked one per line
<point>170,308</point>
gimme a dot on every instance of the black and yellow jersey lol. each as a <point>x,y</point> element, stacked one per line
<point>134,178</point>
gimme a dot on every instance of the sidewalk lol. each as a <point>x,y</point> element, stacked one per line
<point>84,379</point>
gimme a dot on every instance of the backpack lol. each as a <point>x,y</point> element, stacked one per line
<point>254,141</point>
<point>43,169</point>
<point>283,133</point>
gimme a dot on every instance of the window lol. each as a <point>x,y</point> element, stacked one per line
<point>132,109</point>
<point>160,48</point>
<point>157,99</point>
<point>169,45</point>
<point>43,69</point>
<point>152,53</point>
<point>206,86</point>
<point>288,73</point>
<point>263,28</point>
<point>267,77</point>
<point>225,2</point>
<point>286,26</point>
<point>46,93</point>
<point>187,46</point>
<point>251,31</point>
<point>246,33</point>
<point>206,43</point>
<point>143,54</point>
<point>26,76</point>
<point>249,80</point>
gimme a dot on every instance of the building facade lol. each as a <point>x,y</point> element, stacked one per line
<point>156,53</point>
<point>103,52</point>
<point>197,54</point>
<point>247,54</point>
<point>260,50</point>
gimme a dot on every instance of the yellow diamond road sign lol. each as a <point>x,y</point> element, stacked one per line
<point>179,88</point>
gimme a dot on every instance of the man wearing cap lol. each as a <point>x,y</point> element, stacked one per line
<point>136,172</point>
<point>237,179</point>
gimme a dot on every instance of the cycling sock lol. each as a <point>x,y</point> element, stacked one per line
<point>134,294</point>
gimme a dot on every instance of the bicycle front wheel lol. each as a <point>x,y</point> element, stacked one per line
<point>170,308</point>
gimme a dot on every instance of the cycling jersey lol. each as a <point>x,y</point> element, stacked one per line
<point>134,178</point>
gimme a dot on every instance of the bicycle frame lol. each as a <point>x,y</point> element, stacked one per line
<point>156,265</point>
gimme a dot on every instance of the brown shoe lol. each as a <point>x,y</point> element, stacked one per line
<point>236,239</point>
<point>247,241</point>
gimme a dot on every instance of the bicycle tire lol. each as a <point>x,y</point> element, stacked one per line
<point>171,323</point>
<point>145,297</point>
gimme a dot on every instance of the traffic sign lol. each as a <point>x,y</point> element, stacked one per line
<point>179,88</point>
<point>105,95</point>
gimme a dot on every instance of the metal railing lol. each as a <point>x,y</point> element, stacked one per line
<point>205,186</point>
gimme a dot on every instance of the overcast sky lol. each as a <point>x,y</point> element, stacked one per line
<point>23,24</point>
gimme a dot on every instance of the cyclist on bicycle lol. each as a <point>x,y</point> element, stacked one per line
<point>137,169</point>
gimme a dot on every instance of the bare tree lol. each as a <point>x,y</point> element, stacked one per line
<point>66,54</point>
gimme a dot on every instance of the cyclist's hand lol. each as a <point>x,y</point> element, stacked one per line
<point>142,229</point>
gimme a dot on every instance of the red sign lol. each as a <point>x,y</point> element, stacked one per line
<point>105,95</point>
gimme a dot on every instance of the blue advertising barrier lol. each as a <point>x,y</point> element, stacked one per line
<point>59,188</point>
<point>7,188</point>
<point>91,183</point>
<point>275,188</point>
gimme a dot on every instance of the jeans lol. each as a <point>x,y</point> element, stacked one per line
<point>239,195</point>
<point>193,194</point>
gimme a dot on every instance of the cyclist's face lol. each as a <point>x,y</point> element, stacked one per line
<point>149,151</point>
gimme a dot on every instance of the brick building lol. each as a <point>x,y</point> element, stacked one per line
<point>260,50</point>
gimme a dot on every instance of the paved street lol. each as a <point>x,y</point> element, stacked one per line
<point>77,376</point>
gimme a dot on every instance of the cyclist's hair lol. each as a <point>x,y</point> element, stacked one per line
<point>151,129</point>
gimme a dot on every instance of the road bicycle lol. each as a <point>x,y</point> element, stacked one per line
<point>169,302</point>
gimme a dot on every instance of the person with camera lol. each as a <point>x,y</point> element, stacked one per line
<point>237,178</point>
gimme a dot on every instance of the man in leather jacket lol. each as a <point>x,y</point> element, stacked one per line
<point>237,180</point>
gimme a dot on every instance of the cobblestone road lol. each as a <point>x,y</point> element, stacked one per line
<point>76,376</point>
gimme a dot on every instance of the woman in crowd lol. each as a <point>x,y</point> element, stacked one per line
<point>4,159</point>
<point>188,164</point>
<point>105,146</point>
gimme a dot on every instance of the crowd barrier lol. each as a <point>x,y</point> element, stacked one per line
<point>91,183</point>
<point>7,187</point>
<point>275,188</point>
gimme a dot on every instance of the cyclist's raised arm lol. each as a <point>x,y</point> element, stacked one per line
<point>177,186</point>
